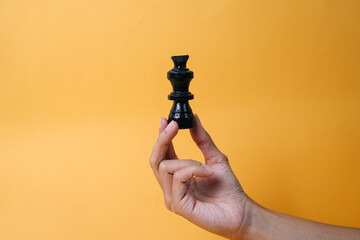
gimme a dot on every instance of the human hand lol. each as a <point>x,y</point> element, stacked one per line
<point>209,195</point>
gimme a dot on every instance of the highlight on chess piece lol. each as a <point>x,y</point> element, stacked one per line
<point>180,78</point>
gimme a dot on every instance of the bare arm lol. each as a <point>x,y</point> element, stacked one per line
<point>263,223</point>
<point>210,196</point>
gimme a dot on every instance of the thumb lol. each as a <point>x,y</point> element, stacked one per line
<point>204,141</point>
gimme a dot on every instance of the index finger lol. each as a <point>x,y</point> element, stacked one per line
<point>162,144</point>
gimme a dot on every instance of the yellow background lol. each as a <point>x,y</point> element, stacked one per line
<point>83,85</point>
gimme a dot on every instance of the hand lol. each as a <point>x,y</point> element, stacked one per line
<point>209,194</point>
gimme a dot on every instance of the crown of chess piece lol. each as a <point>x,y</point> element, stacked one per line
<point>180,78</point>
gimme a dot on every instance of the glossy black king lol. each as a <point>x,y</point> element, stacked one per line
<point>180,78</point>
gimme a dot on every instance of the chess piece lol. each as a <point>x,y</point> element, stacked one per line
<point>180,78</point>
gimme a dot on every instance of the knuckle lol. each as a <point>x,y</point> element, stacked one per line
<point>203,142</point>
<point>168,204</point>
<point>177,176</point>
<point>162,166</point>
<point>223,157</point>
<point>168,207</point>
<point>171,207</point>
<point>174,208</point>
<point>151,163</point>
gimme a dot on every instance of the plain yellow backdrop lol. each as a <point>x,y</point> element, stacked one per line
<point>83,86</point>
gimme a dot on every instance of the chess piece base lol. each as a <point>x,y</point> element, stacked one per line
<point>182,114</point>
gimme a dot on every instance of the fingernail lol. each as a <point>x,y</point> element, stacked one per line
<point>207,168</point>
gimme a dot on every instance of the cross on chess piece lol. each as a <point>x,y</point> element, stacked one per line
<point>180,78</point>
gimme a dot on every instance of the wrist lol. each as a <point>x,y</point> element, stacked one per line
<point>255,221</point>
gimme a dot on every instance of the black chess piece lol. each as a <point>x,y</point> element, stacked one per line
<point>180,78</point>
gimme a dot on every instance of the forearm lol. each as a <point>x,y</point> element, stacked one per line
<point>266,224</point>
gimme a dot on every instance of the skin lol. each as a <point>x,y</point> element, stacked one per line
<point>210,196</point>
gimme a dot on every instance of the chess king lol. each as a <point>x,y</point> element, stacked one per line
<point>180,78</point>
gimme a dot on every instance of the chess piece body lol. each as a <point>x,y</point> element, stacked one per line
<point>180,78</point>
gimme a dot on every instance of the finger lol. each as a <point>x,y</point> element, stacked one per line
<point>203,140</point>
<point>166,171</point>
<point>180,185</point>
<point>166,182</point>
<point>162,144</point>
<point>170,154</point>
<point>170,166</point>
<point>163,124</point>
